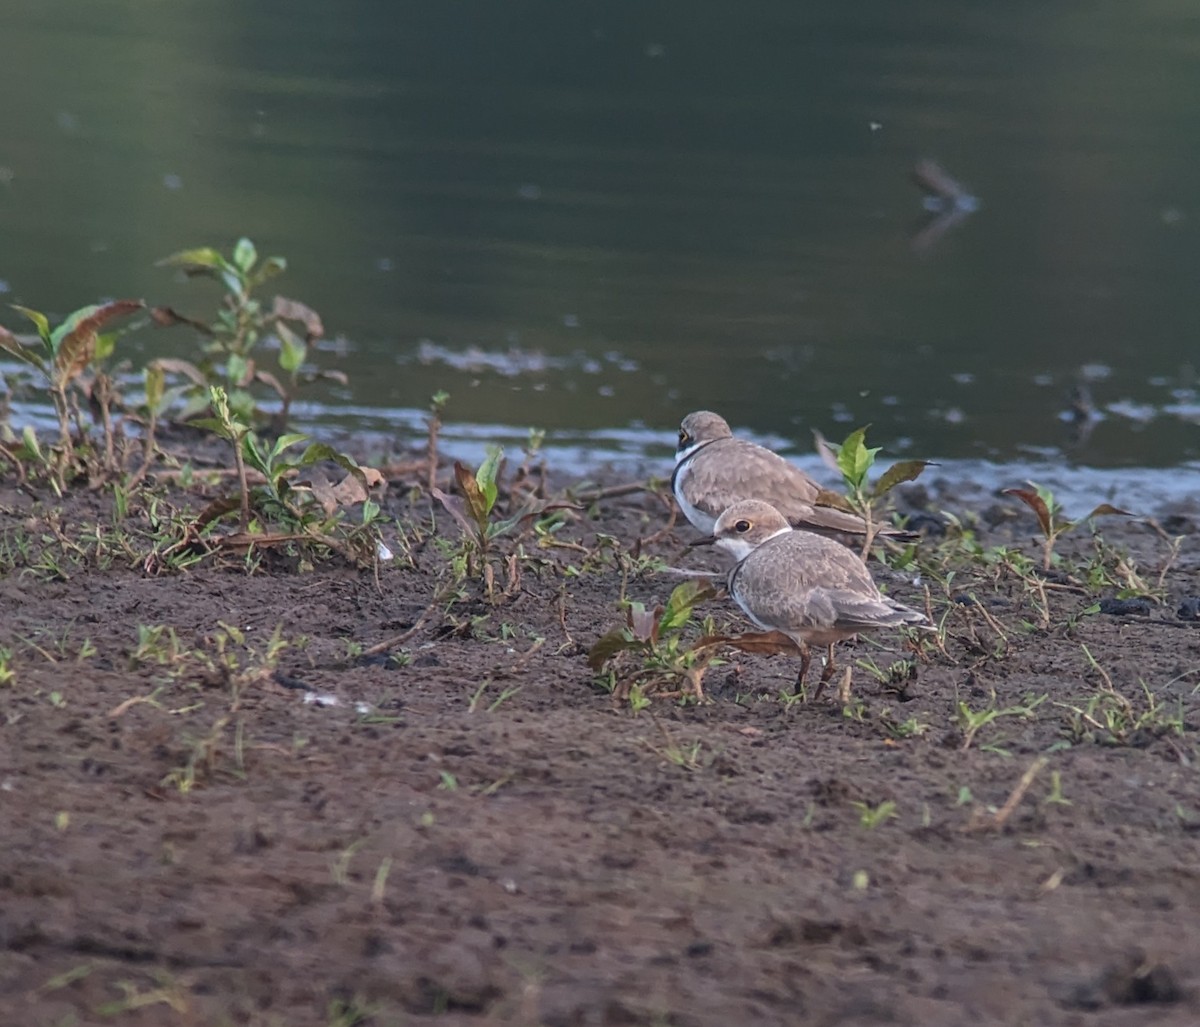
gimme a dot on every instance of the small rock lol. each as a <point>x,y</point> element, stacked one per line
<point>926,524</point>
<point>1126,607</point>
<point>1178,524</point>
<point>1189,608</point>
<point>1139,982</point>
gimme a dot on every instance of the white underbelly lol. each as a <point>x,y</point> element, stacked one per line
<point>698,518</point>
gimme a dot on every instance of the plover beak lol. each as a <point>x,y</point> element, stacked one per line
<point>708,540</point>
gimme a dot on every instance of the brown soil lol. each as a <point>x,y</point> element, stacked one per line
<point>480,835</point>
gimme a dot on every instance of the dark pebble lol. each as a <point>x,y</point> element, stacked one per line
<point>1189,608</point>
<point>926,524</point>
<point>1126,607</point>
<point>287,681</point>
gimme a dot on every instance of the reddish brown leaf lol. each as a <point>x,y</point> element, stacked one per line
<point>267,378</point>
<point>189,370</point>
<point>606,647</point>
<point>13,346</point>
<point>1107,509</point>
<point>835,500</point>
<point>294,310</point>
<point>904,470</point>
<point>454,507</point>
<point>1038,505</point>
<point>167,317</point>
<point>75,338</point>
<point>352,489</point>
<point>473,496</point>
<point>217,509</point>
<point>246,539</point>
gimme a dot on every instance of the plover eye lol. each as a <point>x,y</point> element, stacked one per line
<point>684,438</point>
<point>742,527</point>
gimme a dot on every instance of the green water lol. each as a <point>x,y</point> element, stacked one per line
<point>594,217</point>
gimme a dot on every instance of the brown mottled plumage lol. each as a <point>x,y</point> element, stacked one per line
<point>714,470</point>
<point>805,586</point>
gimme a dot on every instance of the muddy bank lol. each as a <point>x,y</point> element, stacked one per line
<point>220,807</point>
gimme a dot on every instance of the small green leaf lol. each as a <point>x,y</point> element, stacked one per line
<point>237,369</point>
<point>485,477</point>
<point>268,269</point>
<point>855,458</point>
<point>155,379</point>
<point>254,454</point>
<point>291,350</point>
<point>213,424</point>
<point>497,529</point>
<point>39,319</point>
<point>285,442</point>
<point>678,610</point>
<point>32,446</point>
<point>106,342</point>
<point>244,255</point>
<point>203,259</point>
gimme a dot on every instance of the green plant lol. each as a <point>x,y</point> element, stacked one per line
<point>241,325</point>
<point>437,407</point>
<point>1055,796</point>
<point>854,459</point>
<point>1111,718</point>
<point>1049,517</point>
<point>62,355</point>
<point>476,513</point>
<point>872,816</point>
<point>309,512</point>
<point>972,721</point>
<point>649,653</point>
<point>157,644</point>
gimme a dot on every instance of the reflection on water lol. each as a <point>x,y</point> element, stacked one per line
<point>596,218</point>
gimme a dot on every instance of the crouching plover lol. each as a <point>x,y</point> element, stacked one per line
<point>800,584</point>
<point>714,470</point>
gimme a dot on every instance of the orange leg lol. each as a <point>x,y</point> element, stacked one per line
<point>826,674</point>
<point>805,661</point>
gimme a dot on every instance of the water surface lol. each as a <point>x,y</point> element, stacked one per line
<point>592,218</point>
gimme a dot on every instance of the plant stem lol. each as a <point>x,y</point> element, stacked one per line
<point>243,485</point>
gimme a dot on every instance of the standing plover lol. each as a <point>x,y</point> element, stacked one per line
<point>800,584</point>
<point>714,470</point>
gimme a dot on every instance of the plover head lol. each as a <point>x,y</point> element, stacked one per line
<point>698,428</point>
<point>745,526</point>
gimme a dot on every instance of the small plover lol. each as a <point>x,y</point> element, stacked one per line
<point>800,584</point>
<point>714,470</point>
